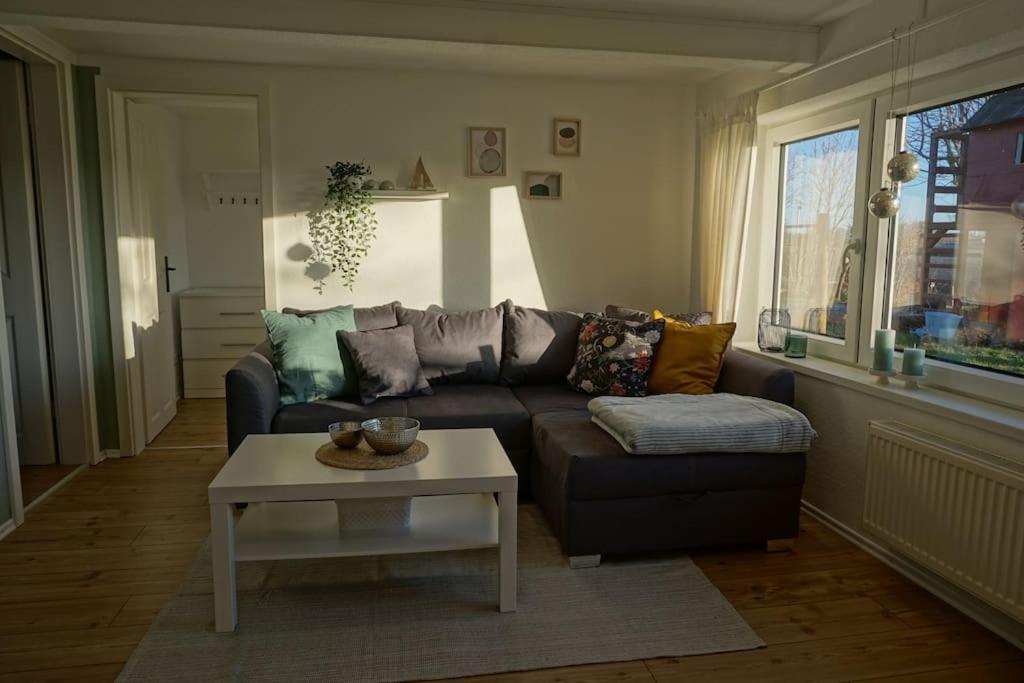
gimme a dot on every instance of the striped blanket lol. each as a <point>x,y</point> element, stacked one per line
<point>717,423</point>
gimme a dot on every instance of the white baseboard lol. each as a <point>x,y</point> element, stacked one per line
<point>105,455</point>
<point>6,528</point>
<point>994,620</point>
<point>56,487</point>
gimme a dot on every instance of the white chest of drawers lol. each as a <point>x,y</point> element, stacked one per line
<point>218,326</point>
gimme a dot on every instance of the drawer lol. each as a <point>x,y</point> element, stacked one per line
<point>227,342</point>
<point>221,311</point>
<point>205,374</point>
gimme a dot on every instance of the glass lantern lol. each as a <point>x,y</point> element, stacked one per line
<point>773,327</point>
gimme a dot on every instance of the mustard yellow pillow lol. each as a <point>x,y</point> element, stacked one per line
<point>689,357</point>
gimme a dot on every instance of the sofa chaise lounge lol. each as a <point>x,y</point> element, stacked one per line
<point>597,498</point>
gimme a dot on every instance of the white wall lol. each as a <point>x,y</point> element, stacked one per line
<point>225,243</point>
<point>622,232</point>
<point>836,465</point>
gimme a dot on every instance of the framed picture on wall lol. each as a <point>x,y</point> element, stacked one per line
<point>542,185</point>
<point>487,155</point>
<point>566,136</point>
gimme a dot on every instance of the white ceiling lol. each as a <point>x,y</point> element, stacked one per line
<point>682,41</point>
<point>381,53</point>
<point>783,12</point>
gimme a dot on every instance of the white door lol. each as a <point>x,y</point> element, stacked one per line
<point>25,322</point>
<point>157,215</point>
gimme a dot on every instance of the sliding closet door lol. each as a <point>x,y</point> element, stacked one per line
<point>25,323</point>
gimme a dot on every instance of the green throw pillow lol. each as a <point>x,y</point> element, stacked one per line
<point>310,361</point>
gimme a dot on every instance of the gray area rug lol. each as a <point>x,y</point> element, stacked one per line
<point>435,615</point>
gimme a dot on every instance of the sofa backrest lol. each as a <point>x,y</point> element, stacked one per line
<point>539,346</point>
<point>371,318</point>
<point>635,315</point>
<point>457,348</point>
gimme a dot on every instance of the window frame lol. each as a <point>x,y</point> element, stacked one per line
<point>858,116</point>
<point>969,381</point>
<point>802,120</point>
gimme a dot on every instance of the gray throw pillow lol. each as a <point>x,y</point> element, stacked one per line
<point>633,315</point>
<point>457,348</point>
<point>539,346</point>
<point>386,363</point>
<point>372,318</point>
<point>637,316</point>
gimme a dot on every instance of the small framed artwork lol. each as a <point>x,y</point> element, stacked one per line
<point>567,137</point>
<point>486,152</point>
<point>542,185</point>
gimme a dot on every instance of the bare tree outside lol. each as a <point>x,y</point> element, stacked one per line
<point>817,222</point>
<point>920,127</point>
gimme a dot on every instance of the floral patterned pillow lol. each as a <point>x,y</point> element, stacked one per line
<point>614,357</point>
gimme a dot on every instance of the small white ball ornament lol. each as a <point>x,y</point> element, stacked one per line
<point>884,204</point>
<point>903,167</point>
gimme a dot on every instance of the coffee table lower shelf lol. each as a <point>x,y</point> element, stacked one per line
<point>297,530</point>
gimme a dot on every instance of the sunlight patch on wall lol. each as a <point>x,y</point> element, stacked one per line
<point>405,262</point>
<point>513,271</point>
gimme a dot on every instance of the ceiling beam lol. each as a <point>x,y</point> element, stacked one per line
<point>484,25</point>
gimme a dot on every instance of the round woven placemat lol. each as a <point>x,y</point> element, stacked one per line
<point>362,457</point>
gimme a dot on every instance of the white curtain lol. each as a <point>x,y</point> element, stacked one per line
<point>726,148</point>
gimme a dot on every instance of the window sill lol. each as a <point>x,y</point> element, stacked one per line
<point>990,417</point>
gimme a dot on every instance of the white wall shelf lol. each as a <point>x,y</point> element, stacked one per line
<point>407,195</point>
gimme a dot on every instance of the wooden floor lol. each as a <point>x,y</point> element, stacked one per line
<point>38,479</point>
<point>200,422</point>
<point>81,580</point>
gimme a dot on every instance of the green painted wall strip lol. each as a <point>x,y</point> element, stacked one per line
<point>91,194</point>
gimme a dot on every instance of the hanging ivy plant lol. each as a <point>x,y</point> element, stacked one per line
<point>341,231</point>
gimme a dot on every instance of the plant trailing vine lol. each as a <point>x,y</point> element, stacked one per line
<point>341,231</point>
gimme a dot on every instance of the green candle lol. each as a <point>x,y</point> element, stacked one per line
<point>913,362</point>
<point>885,346</point>
<point>796,346</point>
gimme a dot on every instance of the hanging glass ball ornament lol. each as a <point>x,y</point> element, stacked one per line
<point>903,167</point>
<point>1017,206</point>
<point>1017,209</point>
<point>884,204</point>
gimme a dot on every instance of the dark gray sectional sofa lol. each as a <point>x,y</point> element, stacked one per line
<point>597,498</point>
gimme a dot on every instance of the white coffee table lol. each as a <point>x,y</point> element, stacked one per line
<point>292,513</point>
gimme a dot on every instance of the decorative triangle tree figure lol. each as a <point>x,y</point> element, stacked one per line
<point>420,179</point>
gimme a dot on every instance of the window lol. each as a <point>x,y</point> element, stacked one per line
<point>957,286</point>
<point>817,212</point>
<point>1019,156</point>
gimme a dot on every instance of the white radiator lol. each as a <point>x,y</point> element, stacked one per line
<point>951,509</point>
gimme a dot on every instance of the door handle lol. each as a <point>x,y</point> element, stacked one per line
<point>855,246</point>
<point>167,274</point>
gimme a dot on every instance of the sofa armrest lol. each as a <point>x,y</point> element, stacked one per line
<point>749,375</point>
<point>253,396</point>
